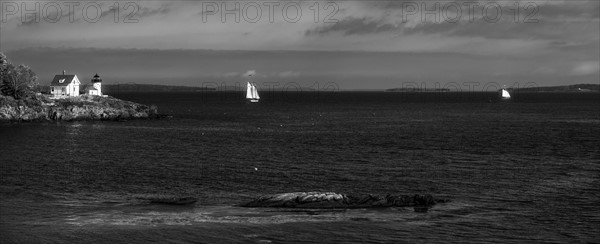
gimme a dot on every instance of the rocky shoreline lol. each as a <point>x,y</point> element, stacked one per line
<point>84,107</point>
<point>330,200</point>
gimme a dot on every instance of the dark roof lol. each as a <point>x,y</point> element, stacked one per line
<point>57,78</point>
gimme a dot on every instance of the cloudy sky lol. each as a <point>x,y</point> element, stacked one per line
<point>354,44</point>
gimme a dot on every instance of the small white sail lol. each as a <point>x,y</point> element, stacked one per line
<point>255,92</point>
<point>249,91</point>
<point>505,94</point>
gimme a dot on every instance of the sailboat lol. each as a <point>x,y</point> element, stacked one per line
<point>252,93</point>
<point>504,94</point>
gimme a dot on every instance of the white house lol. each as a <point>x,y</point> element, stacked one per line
<point>65,85</point>
<point>95,88</point>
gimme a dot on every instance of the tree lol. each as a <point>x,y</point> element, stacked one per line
<point>3,64</point>
<point>17,81</point>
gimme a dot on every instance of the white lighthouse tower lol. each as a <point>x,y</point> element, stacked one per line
<point>96,87</point>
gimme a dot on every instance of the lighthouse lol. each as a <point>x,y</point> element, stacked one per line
<point>96,87</point>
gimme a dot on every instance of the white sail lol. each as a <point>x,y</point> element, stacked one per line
<point>249,91</point>
<point>505,94</point>
<point>255,93</point>
<point>252,93</point>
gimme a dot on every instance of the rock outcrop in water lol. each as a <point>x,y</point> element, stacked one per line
<point>84,107</point>
<point>320,200</point>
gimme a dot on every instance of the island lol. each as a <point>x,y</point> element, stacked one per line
<point>41,107</point>
<point>67,98</point>
<point>332,200</point>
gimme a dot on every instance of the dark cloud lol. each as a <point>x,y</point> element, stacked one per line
<point>50,17</point>
<point>145,11</point>
<point>131,11</point>
<point>109,12</point>
<point>549,21</point>
<point>536,22</point>
<point>551,9</point>
<point>533,21</point>
<point>30,21</point>
<point>353,26</point>
<point>572,9</point>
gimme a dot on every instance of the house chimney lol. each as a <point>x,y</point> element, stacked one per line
<point>64,72</point>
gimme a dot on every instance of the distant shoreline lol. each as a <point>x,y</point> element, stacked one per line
<point>115,89</point>
<point>145,88</point>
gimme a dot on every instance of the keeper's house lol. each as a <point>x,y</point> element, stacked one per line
<point>65,85</point>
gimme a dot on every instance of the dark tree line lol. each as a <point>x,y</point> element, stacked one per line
<point>16,81</point>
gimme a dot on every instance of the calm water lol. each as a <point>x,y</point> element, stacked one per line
<point>521,171</point>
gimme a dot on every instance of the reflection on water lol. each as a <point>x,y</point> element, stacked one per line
<point>71,139</point>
